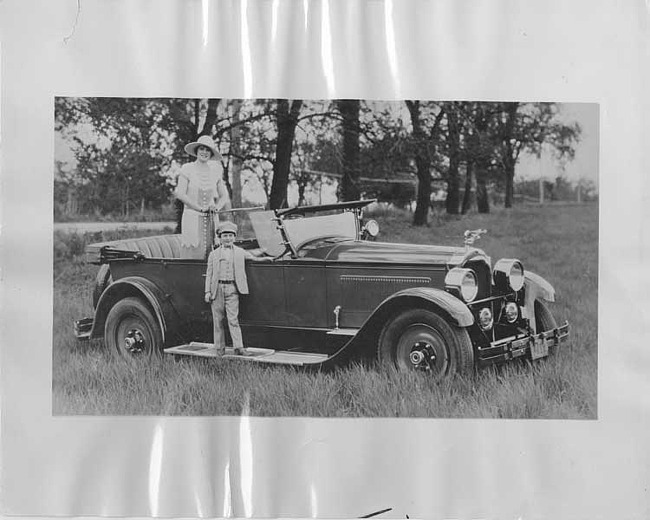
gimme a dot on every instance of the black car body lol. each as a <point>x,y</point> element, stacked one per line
<point>323,292</point>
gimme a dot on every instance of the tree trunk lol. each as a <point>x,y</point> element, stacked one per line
<point>423,167</point>
<point>481,152</point>
<point>510,183</point>
<point>178,211</point>
<point>197,116</point>
<point>509,157</point>
<point>72,203</point>
<point>126,201</point>
<point>210,117</point>
<point>467,196</point>
<point>482,200</point>
<point>302,185</point>
<point>349,189</point>
<point>423,200</point>
<point>453,180</point>
<point>287,119</point>
<point>235,147</point>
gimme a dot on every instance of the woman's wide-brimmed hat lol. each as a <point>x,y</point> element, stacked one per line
<point>204,140</point>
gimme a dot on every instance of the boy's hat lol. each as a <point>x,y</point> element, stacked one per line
<point>227,227</point>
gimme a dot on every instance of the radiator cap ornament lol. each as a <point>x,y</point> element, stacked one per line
<point>472,235</point>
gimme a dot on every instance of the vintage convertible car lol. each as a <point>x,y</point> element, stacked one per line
<point>327,293</point>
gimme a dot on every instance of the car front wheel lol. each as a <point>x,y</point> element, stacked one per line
<point>419,339</point>
<point>132,331</point>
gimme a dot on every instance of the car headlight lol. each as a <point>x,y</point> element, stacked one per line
<point>509,273</point>
<point>512,312</point>
<point>462,282</point>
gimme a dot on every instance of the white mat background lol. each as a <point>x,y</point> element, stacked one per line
<point>550,50</point>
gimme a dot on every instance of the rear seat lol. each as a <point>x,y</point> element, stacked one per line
<point>163,246</point>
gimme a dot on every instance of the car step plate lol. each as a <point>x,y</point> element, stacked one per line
<point>260,355</point>
<point>342,332</point>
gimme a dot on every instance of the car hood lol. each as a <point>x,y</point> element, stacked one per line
<point>387,252</point>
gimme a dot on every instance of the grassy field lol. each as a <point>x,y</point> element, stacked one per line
<point>557,242</point>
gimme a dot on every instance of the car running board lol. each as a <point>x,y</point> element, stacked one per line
<point>258,355</point>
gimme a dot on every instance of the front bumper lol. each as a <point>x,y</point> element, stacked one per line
<point>82,328</point>
<point>533,346</point>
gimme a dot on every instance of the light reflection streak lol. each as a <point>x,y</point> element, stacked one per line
<point>391,46</point>
<point>227,493</point>
<point>205,5</point>
<point>155,469</point>
<point>275,6</point>
<point>246,51</point>
<point>326,48</point>
<point>246,458</point>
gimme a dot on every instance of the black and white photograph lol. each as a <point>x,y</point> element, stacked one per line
<point>325,258</point>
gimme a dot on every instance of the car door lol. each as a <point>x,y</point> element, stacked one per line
<point>306,293</point>
<point>266,302</point>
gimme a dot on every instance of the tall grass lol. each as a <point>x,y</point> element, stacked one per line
<point>559,243</point>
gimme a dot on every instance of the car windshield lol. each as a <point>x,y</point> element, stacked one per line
<point>260,228</point>
<point>302,230</point>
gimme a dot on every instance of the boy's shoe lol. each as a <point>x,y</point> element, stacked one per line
<point>243,352</point>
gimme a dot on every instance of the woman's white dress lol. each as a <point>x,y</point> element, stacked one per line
<point>203,183</point>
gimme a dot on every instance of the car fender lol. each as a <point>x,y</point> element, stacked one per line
<point>441,301</point>
<point>538,287</point>
<point>365,341</point>
<point>137,286</point>
<point>454,308</point>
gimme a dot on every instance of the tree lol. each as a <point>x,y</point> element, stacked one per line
<point>422,166</point>
<point>210,118</point>
<point>509,147</point>
<point>287,118</point>
<point>123,147</point>
<point>454,153</point>
<point>236,154</point>
<point>527,127</point>
<point>479,152</point>
<point>424,144</point>
<point>349,188</point>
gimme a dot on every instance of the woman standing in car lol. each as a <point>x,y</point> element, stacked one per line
<point>202,191</point>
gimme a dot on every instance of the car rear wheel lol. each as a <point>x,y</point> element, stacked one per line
<point>420,339</point>
<point>132,331</point>
<point>544,321</point>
